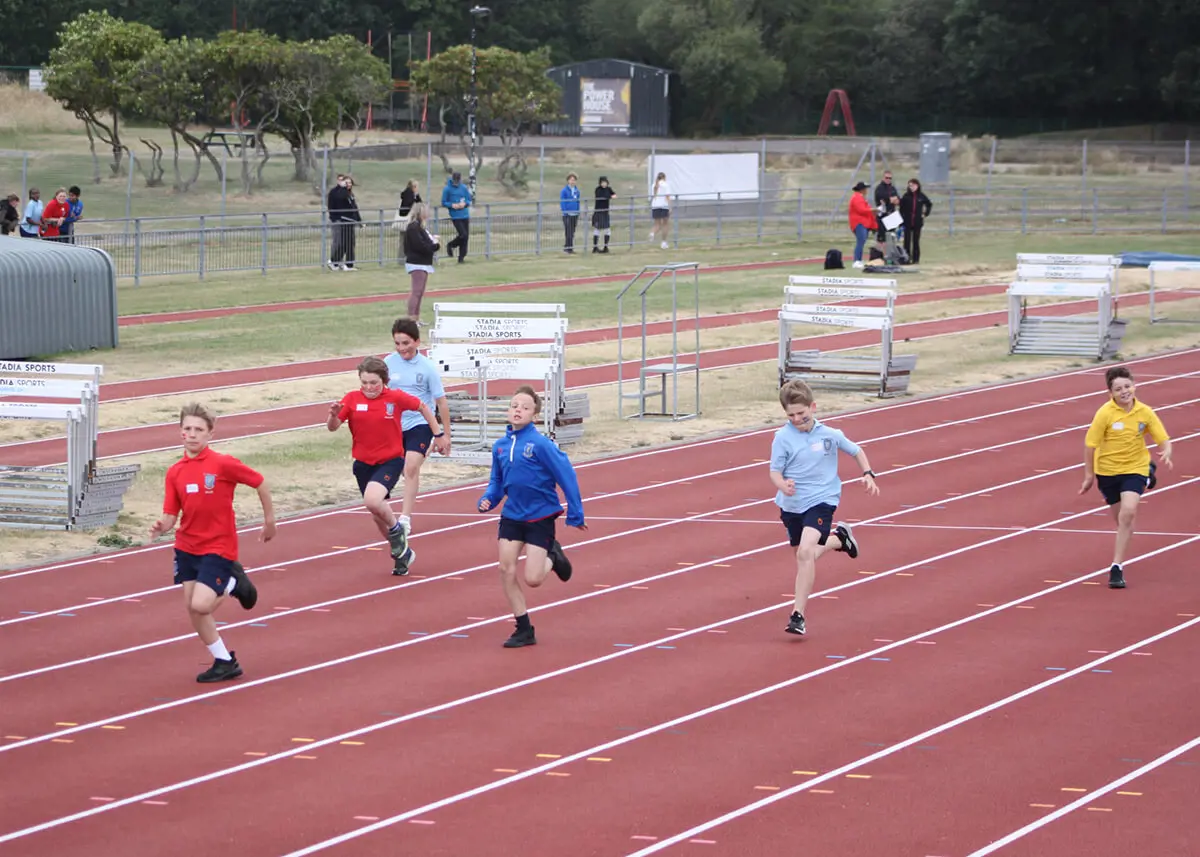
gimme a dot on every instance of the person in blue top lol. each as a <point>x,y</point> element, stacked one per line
<point>75,206</point>
<point>804,471</point>
<point>526,466</point>
<point>456,198</point>
<point>414,373</point>
<point>568,201</point>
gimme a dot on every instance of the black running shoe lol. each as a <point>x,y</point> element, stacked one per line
<point>796,624</point>
<point>559,562</point>
<point>849,545</point>
<point>243,590</point>
<point>521,638</point>
<point>403,562</point>
<point>1153,480</point>
<point>221,670</point>
<point>398,540</point>
<point>1116,578</point>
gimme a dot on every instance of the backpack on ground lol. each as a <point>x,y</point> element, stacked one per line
<point>833,260</point>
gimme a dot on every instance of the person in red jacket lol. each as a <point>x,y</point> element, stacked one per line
<point>56,212</point>
<point>200,486</point>
<point>862,220</point>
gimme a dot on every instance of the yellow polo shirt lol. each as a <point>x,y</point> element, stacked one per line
<point>1118,436</point>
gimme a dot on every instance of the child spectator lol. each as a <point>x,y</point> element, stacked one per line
<point>600,215</point>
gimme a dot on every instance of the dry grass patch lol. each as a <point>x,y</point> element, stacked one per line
<point>28,111</point>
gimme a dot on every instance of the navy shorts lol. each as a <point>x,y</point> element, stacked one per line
<point>210,569</point>
<point>386,474</point>
<point>418,439</point>
<point>539,533</point>
<point>819,518</point>
<point>1112,486</point>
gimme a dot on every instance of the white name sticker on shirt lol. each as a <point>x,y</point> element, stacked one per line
<point>1118,426</point>
<point>193,488</point>
<point>817,447</point>
<point>360,407</point>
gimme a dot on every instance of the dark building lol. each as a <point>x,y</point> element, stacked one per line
<point>614,98</point>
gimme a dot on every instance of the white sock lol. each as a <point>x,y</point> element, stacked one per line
<point>218,650</point>
<point>405,522</point>
<point>232,583</point>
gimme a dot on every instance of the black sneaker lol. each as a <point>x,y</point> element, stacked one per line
<point>398,540</point>
<point>243,590</point>
<point>796,624</point>
<point>221,670</point>
<point>849,545</point>
<point>559,562</point>
<point>1116,577</point>
<point>521,638</point>
<point>1153,480</point>
<point>403,563</point>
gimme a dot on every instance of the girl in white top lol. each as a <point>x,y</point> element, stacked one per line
<point>660,209</point>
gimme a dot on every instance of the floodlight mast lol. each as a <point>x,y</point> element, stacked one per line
<point>477,12</point>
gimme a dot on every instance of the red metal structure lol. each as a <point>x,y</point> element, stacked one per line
<point>837,97</point>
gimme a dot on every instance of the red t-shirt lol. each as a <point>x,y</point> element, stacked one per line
<point>202,489</point>
<point>54,209</point>
<point>375,424</point>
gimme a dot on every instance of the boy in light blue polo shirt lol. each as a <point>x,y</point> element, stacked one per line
<point>804,470</point>
<point>414,373</point>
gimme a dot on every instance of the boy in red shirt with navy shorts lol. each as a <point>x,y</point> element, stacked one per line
<point>200,486</point>
<point>374,414</point>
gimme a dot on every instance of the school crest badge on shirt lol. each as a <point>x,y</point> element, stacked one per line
<point>828,446</point>
<point>391,409</point>
<point>210,481</point>
<point>528,450</point>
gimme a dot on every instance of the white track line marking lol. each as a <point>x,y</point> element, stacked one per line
<point>1086,799</point>
<point>753,695</point>
<point>915,739</point>
<point>685,447</point>
<point>591,751</point>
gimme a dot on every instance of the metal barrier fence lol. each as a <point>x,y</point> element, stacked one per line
<point>209,244</point>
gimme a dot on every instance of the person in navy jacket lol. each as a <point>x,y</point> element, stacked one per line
<point>526,467</point>
<point>568,201</point>
<point>456,198</point>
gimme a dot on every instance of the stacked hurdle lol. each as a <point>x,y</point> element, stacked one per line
<point>1066,276</point>
<point>77,494</point>
<point>1168,267</point>
<point>819,301</point>
<point>496,347</point>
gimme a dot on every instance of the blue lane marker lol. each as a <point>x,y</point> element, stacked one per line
<point>418,633</point>
<point>881,659</point>
<point>1133,761</point>
<point>460,636</point>
<point>219,624</point>
<point>906,506</point>
<point>1057,669</point>
<point>664,647</point>
<point>258,624</point>
<point>69,615</point>
<point>29,612</point>
<point>1101,671</point>
<point>623,645</point>
<point>836,657</point>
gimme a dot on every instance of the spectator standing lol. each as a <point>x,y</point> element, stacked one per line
<point>456,198</point>
<point>419,249</point>
<point>914,208</point>
<point>75,204</point>
<point>344,215</point>
<point>600,215</point>
<point>862,218</point>
<point>568,202</point>
<point>887,197</point>
<point>31,223</point>
<point>409,197</point>
<point>10,214</point>
<point>54,215</point>
<point>660,209</point>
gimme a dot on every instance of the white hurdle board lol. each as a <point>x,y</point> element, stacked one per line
<point>1095,336</point>
<point>40,497</point>
<point>820,300</point>
<point>1170,267</point>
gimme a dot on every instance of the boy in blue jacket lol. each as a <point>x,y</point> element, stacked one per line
<point>568,201</point>
<point>456,198</point>
<point>526,466</point>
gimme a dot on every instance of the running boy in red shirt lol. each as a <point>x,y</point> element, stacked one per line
<point>200,486</point>
<point>526,466</point>
<point>1115,457</point>
<point>374,413</point>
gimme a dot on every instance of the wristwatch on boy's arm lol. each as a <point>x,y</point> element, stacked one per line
<point>870,473</point>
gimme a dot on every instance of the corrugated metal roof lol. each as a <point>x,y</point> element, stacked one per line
<point>55,297</point>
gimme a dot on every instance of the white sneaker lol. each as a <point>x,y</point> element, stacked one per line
<point>666,246</point>
<point>333,266</point>
<point>349,269</point>
<point>652,236</point>
<point>857,265</point>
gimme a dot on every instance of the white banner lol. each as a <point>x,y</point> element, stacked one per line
<point>703,177</point>
<point>1067,259</point>
<point>38,411</point>
<point>493,328</point>
<point>840,293</point>
<point>23,368</point>
<point>1034,288</point>
<point>460,351</point>
<point>798,315</point>
<point>1064,272</point>
<point>44,388</point>
<point>842,281</point>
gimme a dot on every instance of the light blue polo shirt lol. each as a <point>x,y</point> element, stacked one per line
<point>417,377</point>
<point>810,458</point>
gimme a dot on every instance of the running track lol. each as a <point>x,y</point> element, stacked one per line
<point>968,680</point>
<point>138,440</point>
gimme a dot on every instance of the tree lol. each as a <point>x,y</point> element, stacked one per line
<point>514,94</point>
<point>89,73</point>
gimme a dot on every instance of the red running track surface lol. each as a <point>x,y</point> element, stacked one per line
<point>967,668</point>
<point>161,436</point>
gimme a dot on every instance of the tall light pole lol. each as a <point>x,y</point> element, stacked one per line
<point>477,12</point>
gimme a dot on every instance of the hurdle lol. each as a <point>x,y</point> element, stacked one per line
<point>1170,267</point>
<point>1065,276</point>
<point>1072,266</point>
<point>79,494</point>
<point>884,375</point>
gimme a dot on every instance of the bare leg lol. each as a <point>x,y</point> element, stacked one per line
<point>509,553</point>
<point>375,501</point>
<point>1125,514</point>
<point>537,565</point>
<point>412,482</point>
<point>202,603</point>
<point>807,554</point>
<point>419,279</point>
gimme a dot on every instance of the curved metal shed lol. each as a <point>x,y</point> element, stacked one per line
<point>55,297</point>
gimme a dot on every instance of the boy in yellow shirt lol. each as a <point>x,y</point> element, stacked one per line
<point>1116,458</point>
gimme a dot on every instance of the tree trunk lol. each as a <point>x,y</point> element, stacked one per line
<point>92,147</point>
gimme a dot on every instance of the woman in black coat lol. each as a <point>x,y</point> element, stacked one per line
<point>914,208</point>
<point>419,249</point>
